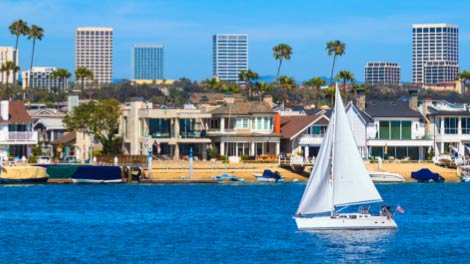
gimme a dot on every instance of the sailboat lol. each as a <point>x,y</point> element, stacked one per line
<point>339,179</point>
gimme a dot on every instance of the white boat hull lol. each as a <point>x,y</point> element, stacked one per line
<point>385,177</point>
<point>345,222</point>
<point>95,181</point>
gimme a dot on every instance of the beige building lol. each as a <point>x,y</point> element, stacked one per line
<point>7,54</point>
<point>94,51</point>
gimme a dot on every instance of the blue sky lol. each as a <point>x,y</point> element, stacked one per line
<point>372,31</point>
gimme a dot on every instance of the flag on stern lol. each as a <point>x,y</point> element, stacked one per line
<point>400,209</point>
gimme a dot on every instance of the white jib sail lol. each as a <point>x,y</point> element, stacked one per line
<point>317,197</point>
<point>351,180</point>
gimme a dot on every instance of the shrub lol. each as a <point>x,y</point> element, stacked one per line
<point>224,159</point>
<point>213,152</point>
<point>244,157</point>
<point>32,159</point>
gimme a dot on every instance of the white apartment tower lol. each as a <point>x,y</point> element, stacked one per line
<point>435,53</point>
<point>7,54</point>
<point>382,73</point>
<point>230,56</point>
<point>94,51</point>
<point>41,79</point>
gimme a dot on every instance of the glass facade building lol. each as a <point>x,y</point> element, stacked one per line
<point>147,62</point>
<point>435,53</point>
<point>230,56</point>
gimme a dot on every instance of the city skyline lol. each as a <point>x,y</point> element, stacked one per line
<point>371,33</point>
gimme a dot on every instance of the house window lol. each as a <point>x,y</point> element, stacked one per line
<point>450,125</point>
<point>395,129</point>
<point>384,128</point>
<point>318,130</point>
<point>259,120</point>
<point>465,125</point>
<point>241,123</point>
<point>406,129</point>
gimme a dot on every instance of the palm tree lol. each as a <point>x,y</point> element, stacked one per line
<point>287,83</point>
<point>211,84</point>
<point>82,73</point>
<point>316,83</point>
<point>281,51</point>
<point>262,87</point>
<point>35,32</point>
<point>61,75</point>
<point>330,92</point>
<point>335,48</point>
<point>464,77</point>
<point>346,76</point>
<point>7,68</point>
<point>18,28</point>
<point>247,77</point>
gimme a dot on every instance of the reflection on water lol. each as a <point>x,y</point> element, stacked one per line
<point>355,245</point>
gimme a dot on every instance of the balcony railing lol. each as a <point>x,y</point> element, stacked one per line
<point>19,137</point>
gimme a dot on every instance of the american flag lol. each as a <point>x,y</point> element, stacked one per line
<point>400,209</point>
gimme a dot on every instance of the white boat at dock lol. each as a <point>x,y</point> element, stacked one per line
<point>385,177</point>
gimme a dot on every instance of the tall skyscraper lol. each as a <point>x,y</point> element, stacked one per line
<point>230,56</point>
<point>382,73</point>
<point>435,53</point>
<point>94,51</point>
<point>7,54</point>
<point>147,62</point>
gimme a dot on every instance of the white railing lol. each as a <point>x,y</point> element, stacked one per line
<point>307,139</point>
<point>19,137</point>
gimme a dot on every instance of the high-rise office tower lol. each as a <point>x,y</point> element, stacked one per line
<point>147,62</point>
<point>7,54</point>
<point>435,53</point>
<point>382,73</point>
<point>94,51</point>
<point>230,56</point>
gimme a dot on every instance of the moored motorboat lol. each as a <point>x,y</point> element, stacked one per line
<point>22,175</point>
<point>268,176</point>
<point>464,173</point>
<point>97,174</point>
<point>385,177</point>
<point>225,177</point>
<point>425,175</point>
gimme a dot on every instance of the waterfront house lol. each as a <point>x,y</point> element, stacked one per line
<point>48,123</point>
<point>449,125</point>
<point>246,128</point>
<point>389,129</point>
<point>16,132</point>
<point>303,134</point>
<point>207,99</point>
<point>171,133</point>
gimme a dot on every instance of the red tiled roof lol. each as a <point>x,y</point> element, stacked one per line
<point>17,113</point>
<point>291,125</point>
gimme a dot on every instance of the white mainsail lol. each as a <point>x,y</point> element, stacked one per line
<point>351,181</point>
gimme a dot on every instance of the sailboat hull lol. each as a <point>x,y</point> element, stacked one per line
<point>345,222</point>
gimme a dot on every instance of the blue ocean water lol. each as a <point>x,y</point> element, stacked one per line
<point>220,223</point>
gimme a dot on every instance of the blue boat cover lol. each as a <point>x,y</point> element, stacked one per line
<point>269,174</point>
<point>426,175</point>
<point>91,172</point>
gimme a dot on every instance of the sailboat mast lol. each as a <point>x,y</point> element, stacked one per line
<point>332,168</point>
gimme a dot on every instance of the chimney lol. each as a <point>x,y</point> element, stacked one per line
<point>228,98</point>
<point>268,99</point>
<point>413,101</point>
<point>361,99</point>
<point>426,103</point>
<point>4,109</point>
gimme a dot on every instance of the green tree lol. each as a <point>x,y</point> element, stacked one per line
<point>281,51</point>
<point>82,73</point>
<point>9,67</point>
<point>248,76</point>
<point>62,75</point>
<point>286,83</point>
<point>464,77</point>
<point>316,83</point>
<point>335,48</point>
<point>18,28</point>
<point>211,85</point>
<point>99,119</point>
<point>262,87</point>
<point>35,32</point>
<point>330,93</point>
<point>346,76</point>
